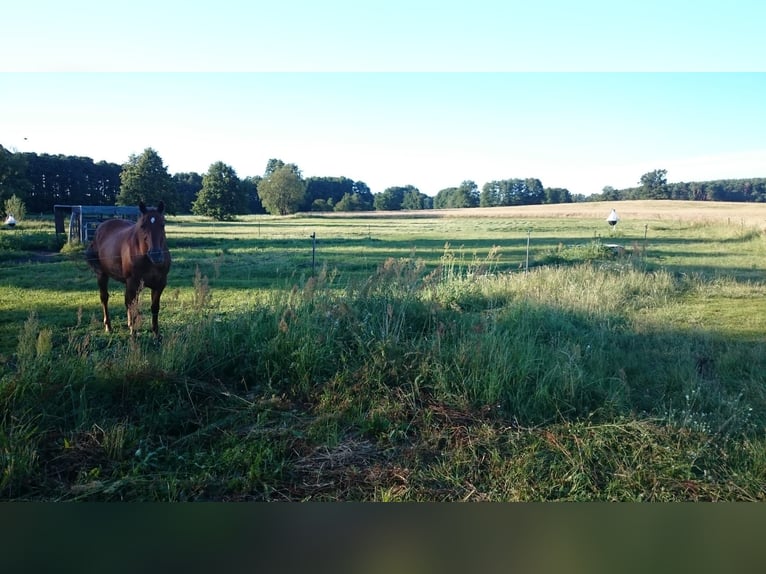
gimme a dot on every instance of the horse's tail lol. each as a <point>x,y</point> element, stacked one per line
<point>91,256</point>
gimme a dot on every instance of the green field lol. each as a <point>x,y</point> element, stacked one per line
<point>513,354</point>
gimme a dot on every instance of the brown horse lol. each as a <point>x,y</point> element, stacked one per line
<point>134,254</point>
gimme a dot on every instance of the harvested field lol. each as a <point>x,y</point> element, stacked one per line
<point>649,210</point>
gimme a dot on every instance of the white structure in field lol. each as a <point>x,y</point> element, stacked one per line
<point>613,218</point>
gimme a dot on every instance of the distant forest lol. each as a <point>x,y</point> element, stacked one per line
<point>740,190</point>
<point>43,180</point>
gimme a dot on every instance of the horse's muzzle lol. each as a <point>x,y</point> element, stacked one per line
<point>156,256</point>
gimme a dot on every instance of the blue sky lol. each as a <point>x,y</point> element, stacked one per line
<point>395,93</point>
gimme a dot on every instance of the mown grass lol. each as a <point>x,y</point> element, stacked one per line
<point>422,373</point>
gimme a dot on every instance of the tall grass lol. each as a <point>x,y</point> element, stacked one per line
<point>460,382</point>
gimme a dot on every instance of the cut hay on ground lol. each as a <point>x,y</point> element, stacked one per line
<point>712,211</point>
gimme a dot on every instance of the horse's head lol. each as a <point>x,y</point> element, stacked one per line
<point>150,229</point>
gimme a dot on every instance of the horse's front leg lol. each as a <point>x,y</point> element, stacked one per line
<point>131,304</point>
<point>103,287</point>
<point>156,293</point>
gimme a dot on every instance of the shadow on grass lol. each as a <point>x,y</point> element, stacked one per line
<point>383,395</point>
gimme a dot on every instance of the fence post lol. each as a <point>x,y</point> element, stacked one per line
<point>313,252</point>
<point>526,269</point>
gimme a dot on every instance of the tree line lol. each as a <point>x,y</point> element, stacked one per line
<point>42,181</point>
<point>654,185</point>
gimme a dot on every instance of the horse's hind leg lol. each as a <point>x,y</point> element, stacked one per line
<point>103,287</point>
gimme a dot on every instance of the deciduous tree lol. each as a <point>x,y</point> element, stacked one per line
<point>654,184</point>
<point>145,178</point>
<point>467,195</point>
<point>221,196</point>
<point>15,207</point>
<point>282,191</point>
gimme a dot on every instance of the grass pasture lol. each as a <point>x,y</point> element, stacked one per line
<point>512,354</point>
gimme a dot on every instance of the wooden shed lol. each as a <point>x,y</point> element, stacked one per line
<point>80,221</point>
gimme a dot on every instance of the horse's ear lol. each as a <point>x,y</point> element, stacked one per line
<point>142,206</point>
<point>161,206</point>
